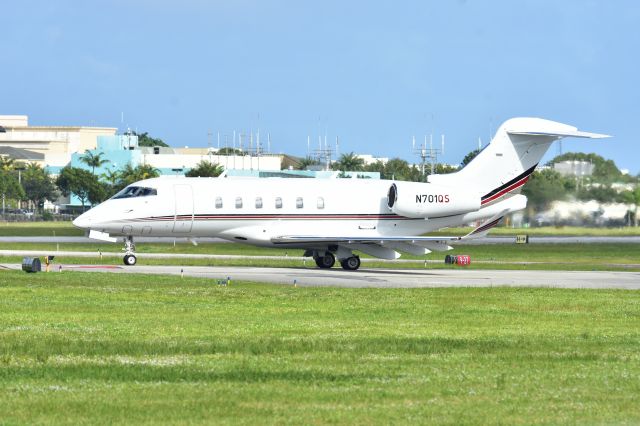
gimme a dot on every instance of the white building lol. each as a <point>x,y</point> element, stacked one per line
<point>574,168</point>
<point>53,145</point>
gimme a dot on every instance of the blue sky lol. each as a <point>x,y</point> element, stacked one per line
<point>372,73</point>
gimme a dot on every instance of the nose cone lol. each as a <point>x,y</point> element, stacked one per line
<point>83,221</point>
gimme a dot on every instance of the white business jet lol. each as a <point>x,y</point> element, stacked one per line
<point>332,218</point>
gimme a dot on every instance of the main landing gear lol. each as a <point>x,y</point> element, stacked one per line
<point>129,258</point>
<point>327,260</point>
<point>350,263</point>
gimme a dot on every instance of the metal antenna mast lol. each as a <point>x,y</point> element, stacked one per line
<point>324,153</point>
<point>427,153</point>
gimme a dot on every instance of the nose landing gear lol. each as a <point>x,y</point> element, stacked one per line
<point>129,258</point>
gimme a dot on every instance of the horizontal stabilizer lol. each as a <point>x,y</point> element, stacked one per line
<point>486,226</point>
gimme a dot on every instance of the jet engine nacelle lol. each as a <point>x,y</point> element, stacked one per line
<point>425,200</point>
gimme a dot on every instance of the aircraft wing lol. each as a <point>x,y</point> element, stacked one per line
<point>385,246</point>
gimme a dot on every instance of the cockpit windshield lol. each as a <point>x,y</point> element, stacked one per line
<point>135,191</point>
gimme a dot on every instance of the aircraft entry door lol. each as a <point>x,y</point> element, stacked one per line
<point>183,219</point>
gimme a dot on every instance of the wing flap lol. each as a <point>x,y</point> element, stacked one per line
<point>415,249</point>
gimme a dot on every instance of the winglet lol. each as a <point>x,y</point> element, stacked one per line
<point>541,127</point>
<point>562,134</point>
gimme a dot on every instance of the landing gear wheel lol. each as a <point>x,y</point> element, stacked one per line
<point>351,263</point>
<point>129,258</point>
<point>325,262</point>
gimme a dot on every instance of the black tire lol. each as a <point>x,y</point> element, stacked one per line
<point>351,263</point>
<point>129,260</point>
<point>325,262</point>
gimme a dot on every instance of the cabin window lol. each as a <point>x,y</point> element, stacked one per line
<point>299,203</point>
<point>238,202</point>
<point>218,202</point>
<point>278,203</point>
<point>258,202</point>
<point>320,203</point>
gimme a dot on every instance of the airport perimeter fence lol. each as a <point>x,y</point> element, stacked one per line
<point>47,217</point>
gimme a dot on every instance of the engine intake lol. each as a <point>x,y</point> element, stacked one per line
<point>426,200</point>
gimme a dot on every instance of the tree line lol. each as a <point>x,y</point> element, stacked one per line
<point>31,184</point>
<point>544,186</point>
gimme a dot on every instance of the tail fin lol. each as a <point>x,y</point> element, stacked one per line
<point>504,165</point>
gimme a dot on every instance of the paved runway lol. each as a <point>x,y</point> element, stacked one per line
<point>384,278</point>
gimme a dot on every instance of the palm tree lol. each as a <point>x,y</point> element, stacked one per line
<point>306,162</point>
<point>111,176</point>
<point>146,171</point>
<point>6,163</point>
<point>93,160</point>
<point>349,162</point>
<point>205,169</point>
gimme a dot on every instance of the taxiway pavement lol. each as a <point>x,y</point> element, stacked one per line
<point>382,278</point>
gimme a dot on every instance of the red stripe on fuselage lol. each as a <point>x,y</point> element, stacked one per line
<point>506,190</point>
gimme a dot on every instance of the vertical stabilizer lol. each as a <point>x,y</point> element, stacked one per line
<point>504,165</point>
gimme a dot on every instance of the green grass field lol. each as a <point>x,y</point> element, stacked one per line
<point>93,348</point>
<point>37,229</point>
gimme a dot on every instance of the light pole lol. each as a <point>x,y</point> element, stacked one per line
<point>19,169</point>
